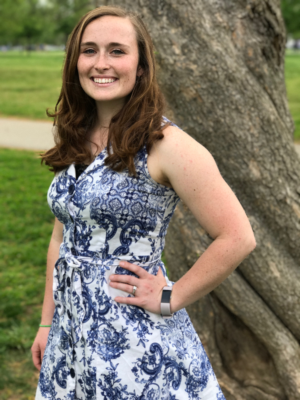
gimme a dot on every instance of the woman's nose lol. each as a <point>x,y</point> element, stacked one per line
<point>102,62</point>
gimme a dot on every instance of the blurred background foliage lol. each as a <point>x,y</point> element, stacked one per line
<point>291,14</point>
<point>34,22</point>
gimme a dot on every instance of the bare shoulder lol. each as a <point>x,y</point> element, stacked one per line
<point>178,156</point>
<point>178,141</point>
<point>194,175</point>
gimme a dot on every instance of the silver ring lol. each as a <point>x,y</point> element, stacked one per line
<point>133,290</point>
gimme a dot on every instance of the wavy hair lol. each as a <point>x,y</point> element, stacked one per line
<point>138,123</point>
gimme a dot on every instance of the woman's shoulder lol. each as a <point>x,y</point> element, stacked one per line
<point>175,153</point>
<point>176,140</point>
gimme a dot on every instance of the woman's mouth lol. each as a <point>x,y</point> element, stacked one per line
<point>104,81</point>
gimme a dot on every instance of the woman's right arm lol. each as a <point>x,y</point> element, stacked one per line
<point>39,344</point>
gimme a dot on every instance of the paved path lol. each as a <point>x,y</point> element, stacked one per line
<point>26,134</point>
<point>32,135</point>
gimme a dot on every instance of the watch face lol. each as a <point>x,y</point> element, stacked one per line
<point>166,296</point>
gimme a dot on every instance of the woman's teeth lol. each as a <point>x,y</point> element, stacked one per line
<point>98,80</point>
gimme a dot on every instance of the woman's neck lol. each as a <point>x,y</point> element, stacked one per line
<point>106,110</point>
<point>98,137</point>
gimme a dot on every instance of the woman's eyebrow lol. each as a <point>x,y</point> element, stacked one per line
<point>88,44</point>
<point>110,44</point>
<point>118,44</point>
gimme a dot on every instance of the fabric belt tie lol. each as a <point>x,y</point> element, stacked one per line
<point>68,271</point>
<point>69,300</point>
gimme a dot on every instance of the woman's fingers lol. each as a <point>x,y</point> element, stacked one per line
<point>122,286</point>
<point>42,353</point>
<point>39,346</point>
<point>36,356</point>
<point>130,300</point>
<point>149,287</point>
<point>136,269</point>
<point>130,280</point>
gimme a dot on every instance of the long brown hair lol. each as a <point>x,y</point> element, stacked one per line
<point>138,123</point>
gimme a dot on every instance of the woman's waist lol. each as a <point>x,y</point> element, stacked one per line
<point>100,257</point>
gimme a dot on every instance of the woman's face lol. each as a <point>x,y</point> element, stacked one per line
<point>108,61</point>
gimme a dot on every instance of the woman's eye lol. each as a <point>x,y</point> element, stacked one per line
<point>118,51</point>
<point>89,51</point>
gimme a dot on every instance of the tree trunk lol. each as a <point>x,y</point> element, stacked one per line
<point>221,66</point>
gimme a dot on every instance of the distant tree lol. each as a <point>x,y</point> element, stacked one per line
<point>291,15</point>
<point>67,13</point>
<point>10,26</point>
<point>23,22</point>
<point>32,21</point>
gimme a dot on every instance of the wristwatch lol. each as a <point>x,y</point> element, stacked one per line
<point>165,302</point>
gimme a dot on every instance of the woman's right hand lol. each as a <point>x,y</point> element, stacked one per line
<point>38,347</point>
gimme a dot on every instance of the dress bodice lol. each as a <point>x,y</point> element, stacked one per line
<point>112,214</point>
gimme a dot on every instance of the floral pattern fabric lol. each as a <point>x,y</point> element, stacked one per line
<point>99,349</point>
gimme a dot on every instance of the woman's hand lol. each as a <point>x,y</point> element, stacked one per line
<point>149,287</point>
<point>38,347</point>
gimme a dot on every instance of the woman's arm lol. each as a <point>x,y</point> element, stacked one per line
<point>40,341</point>
<point>181,162</point>
<point>194,175</point>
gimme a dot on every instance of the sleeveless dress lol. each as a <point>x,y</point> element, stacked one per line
<point>99,349</point>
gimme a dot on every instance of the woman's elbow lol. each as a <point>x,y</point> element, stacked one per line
<point>249,242</point>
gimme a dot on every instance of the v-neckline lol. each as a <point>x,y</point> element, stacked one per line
<point>72,169</point>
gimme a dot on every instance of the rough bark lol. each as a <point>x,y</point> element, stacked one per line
<point>221,65</point>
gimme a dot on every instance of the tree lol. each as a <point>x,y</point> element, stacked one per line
<point>291,14</point>
<point>24,22</point>
<point>10,27</point>
<point>67,13</point>
<point>32,22</point>
<point>221,68</point>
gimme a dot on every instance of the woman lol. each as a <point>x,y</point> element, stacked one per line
<point>121,168</point>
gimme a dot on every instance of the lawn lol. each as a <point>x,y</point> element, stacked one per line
<point>26,225</point>
<point>30,83</point>
<point>292,81</point>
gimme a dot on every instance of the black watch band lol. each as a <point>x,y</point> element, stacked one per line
<point>165,302</point>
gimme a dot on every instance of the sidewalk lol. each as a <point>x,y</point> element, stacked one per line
<point>33,135</point>
<point>26,134</point>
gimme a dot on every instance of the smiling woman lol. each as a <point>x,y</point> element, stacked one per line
<point>103,64</point>
<point>119,329</point>
<point>115,46</point>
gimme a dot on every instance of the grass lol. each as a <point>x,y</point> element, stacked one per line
<point>30,83</point>
<point>292,81</point>
<point>26,225</point>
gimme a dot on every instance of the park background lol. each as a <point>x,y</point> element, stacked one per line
<point>32,38</point>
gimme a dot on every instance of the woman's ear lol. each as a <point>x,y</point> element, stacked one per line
<point>140,71</point>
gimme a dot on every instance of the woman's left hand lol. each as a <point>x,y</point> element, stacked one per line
<point>149,287</point>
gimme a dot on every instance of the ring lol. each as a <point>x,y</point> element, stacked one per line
<point>133,290</point>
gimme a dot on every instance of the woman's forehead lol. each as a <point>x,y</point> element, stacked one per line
<point>110,29</point>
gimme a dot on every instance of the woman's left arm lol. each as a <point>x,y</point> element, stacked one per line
<point>194,175</point>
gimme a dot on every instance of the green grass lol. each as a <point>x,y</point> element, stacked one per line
<point>292,80</point>
<point>26,225</point>
<point>30,83</point>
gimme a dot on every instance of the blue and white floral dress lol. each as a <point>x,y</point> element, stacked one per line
<point>98,348</point>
